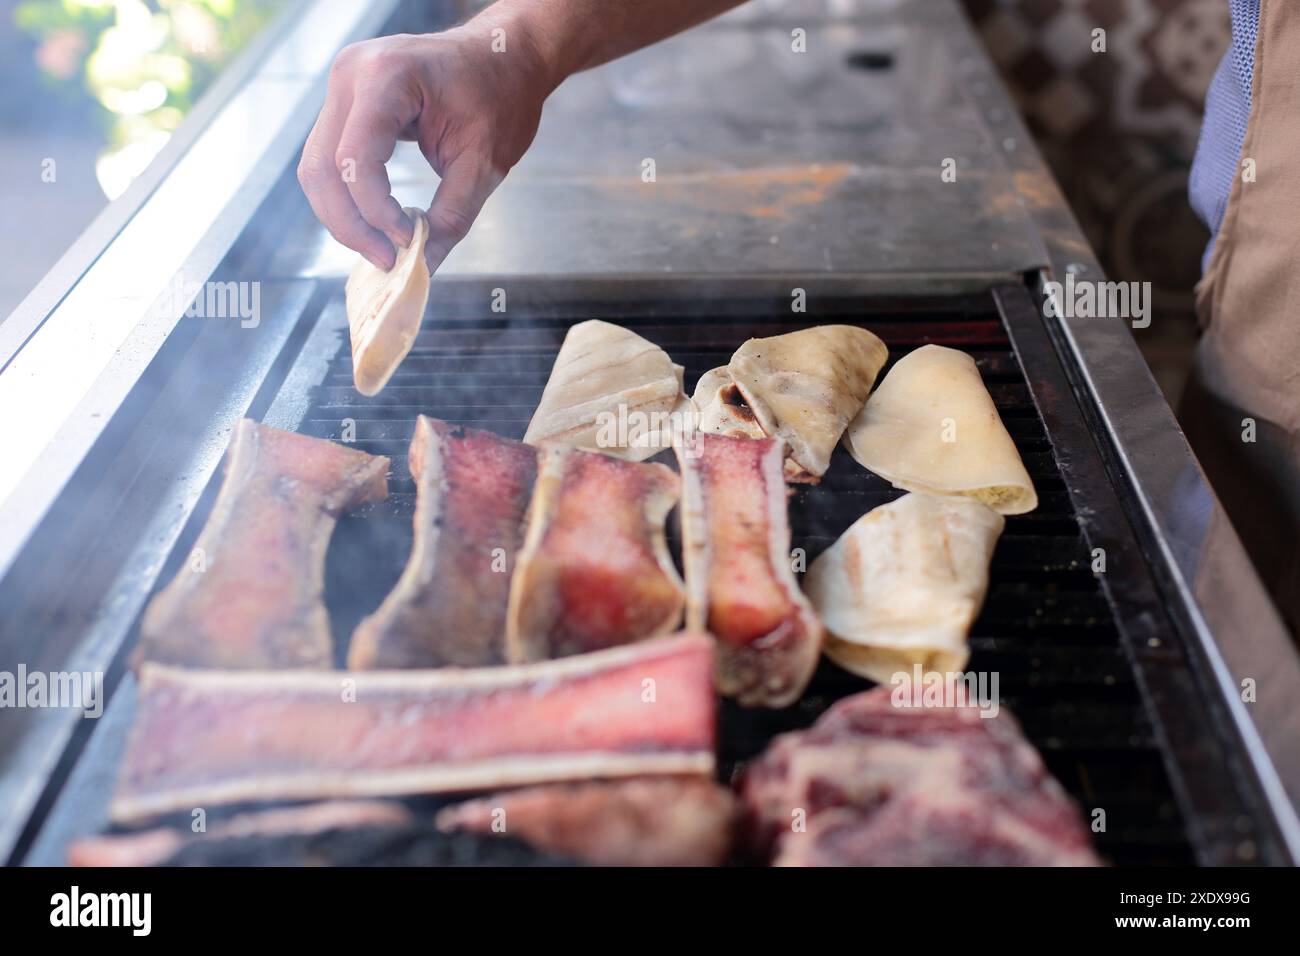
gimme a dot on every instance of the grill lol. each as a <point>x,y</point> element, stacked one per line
<point>1050,627</point>
<point>1047,627</point>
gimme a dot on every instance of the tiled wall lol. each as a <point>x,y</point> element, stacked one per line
<point>1119,129</point>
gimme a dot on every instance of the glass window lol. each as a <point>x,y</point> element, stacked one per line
<point>90,92</point>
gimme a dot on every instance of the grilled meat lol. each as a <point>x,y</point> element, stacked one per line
<point>739,582</point>
<point>205,738</point>
<point>411,844</point>
<point>449,607</point>
<point>250,594</point>
<point>152,847</point>
<point>595,570</point>
<point>622,823</point>
<point>874,784</point>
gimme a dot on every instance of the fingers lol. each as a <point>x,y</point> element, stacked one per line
<point>365,144</point>
<point>466,184</point>
<point>377,92</point>
<point>329,196</point>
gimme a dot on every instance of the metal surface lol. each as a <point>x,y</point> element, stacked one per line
<point>72,597</point>
<point>1047,628</point>
<point>1219,779</point>
<point>766,161</point>
<point>1211,581</point>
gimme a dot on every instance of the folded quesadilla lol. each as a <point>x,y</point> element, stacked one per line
<point>932,427</point>
<point>902,586</point>
<point>385,310</point>
<point>802,387</point>
<point>611,391</point>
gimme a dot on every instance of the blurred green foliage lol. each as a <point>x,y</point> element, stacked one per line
<point>144,62</point>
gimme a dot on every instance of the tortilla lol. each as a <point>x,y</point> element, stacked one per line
<point>805,387</point>
<point>932,427</point>
<point>902,586</point>
<point>611,391</point>
<point>721,408</point>
<point>385,310</point>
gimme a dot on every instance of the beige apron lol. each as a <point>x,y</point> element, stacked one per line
<point>1247,370</point>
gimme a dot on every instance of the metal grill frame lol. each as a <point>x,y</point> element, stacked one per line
<point>1202,804</point>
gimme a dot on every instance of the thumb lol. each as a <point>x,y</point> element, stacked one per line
<point>466,184</point>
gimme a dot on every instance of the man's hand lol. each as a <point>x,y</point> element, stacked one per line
<point>472,110</point>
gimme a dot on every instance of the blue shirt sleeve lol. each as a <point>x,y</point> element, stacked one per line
<point>1227,107</point>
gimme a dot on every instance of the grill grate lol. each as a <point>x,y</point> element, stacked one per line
<point>1046,628</point>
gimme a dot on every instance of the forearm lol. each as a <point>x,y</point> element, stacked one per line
<point>569,36</point>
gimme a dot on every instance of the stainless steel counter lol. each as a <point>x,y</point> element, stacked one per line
<point>766,161</point>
